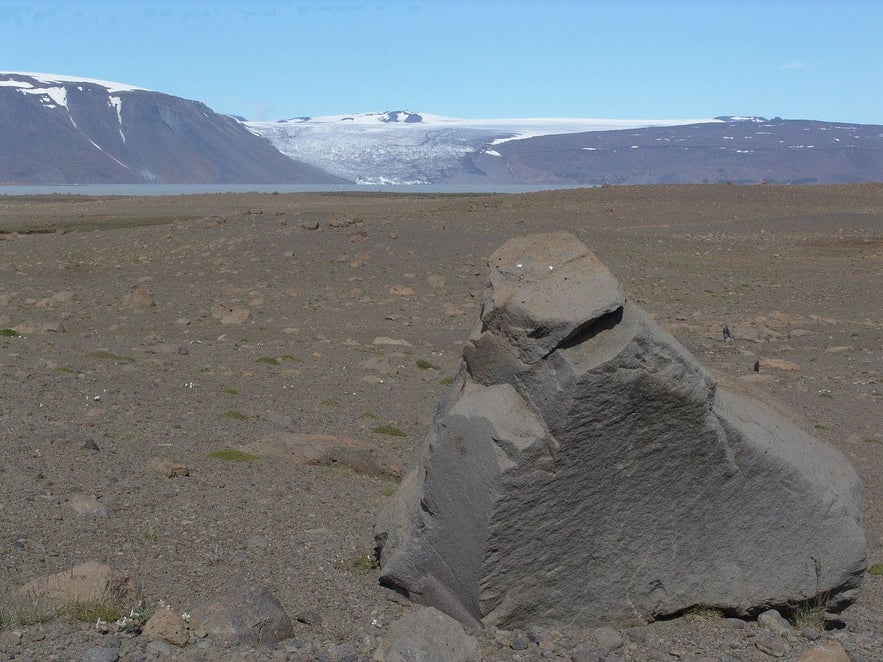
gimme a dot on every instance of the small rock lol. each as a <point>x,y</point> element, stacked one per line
<point>101,655</point>
<point>228,315</point>
<point>607,638</point>
<point>159,648</point>
<point>166,625</point>
<point>401,290</point>
<point>309,618</point>
<point>829,651</point>
<point>84,504</point>
<point>251,615</point>
<point>344,653</point>
<point>772,620</point>
<point>168,468</point>
<point>429,636</point>
<point>138,298</point>
<point>772,646</point>
<point>86,583</point>
<point>810,633</point>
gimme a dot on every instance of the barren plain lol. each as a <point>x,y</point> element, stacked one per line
<point>143,335</point>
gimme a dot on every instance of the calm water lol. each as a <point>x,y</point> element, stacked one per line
<point>193,189</point>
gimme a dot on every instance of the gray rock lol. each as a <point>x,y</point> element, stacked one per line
<point>584,469</point>
<point>427,635</point>
<point>250,615</point>
<point>607,638</point>
<point>773,621</point>
<point>97,654</point>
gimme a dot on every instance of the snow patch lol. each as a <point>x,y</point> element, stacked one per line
<point>57,78</point>
<point>53,96</point>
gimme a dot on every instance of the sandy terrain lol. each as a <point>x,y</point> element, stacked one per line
<point>154,331</point>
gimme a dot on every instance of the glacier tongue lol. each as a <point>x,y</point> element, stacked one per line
<point>401,147</point>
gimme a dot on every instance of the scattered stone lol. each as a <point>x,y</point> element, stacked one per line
<point>138,298</point>
<point>86,583</point>
<point>169,468</point>
<point>309,618</point>
<point>828,651</point>
<point>585,469</point>
<point>436,281</point>
<point>427,635</point>
<point>100,654</point>
<point>228,315</point>
<point>401,290</point>
<point>772,646</point>
<point>773,620</point>
<point>166,625</point>
<point>251,615</point>
<point>840,350</point>
<point>159,648</point>
<point>87,504</point>
<point>328,450</point>
<point>607,638</point>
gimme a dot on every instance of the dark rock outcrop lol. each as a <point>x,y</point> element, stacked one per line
<point>584,469</point>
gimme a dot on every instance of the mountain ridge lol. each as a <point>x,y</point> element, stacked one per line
<point>57,129</point>
<point>70,130</point>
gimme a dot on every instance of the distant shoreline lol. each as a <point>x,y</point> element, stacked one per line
<point>197,189</point>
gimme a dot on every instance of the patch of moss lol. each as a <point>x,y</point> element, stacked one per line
<point>65,369</point>
<point>368,414</point>
<point>110,356</point>
<point>269,360</point>
<point>391,430</point>
<point>9,333</point>
<point>366,562</point>
<point>232,455</point>
<point>447,381</point>
<point>235,415</point>
<point>331,403</point>
<point>389,492</point>
<point>231,391</point>
<point>426,365</point>
<point>876,570</point>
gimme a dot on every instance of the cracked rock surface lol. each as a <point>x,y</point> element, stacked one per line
<point>585,469</point>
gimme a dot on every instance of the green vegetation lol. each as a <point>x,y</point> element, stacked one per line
<point>391,430</point>
<point>876,570</point>
<point>331,403</point>
<point>426,365</point>
<point>368,414</point>
<point>9,333</point>
<point>90,612</point>
<point>67,370</point>
<point>809,614</point>
<point>269,360</point>
<point>235,415</point>
<point>110,356</point>
<point>231,391</point>
<point>447,381</point>
<point>389,492</point>
<point>366,562</point>
<point>232,455</point>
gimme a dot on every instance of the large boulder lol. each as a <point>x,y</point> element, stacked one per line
<point>585,469</point>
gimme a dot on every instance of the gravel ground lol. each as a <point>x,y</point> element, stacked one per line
<point>152,332</point>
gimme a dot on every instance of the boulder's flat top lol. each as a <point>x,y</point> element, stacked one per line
<point>154,331</point>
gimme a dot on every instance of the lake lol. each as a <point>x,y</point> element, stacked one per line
<point>196,189</point>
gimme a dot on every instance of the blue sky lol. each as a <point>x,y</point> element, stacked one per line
<point>624,59</point>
